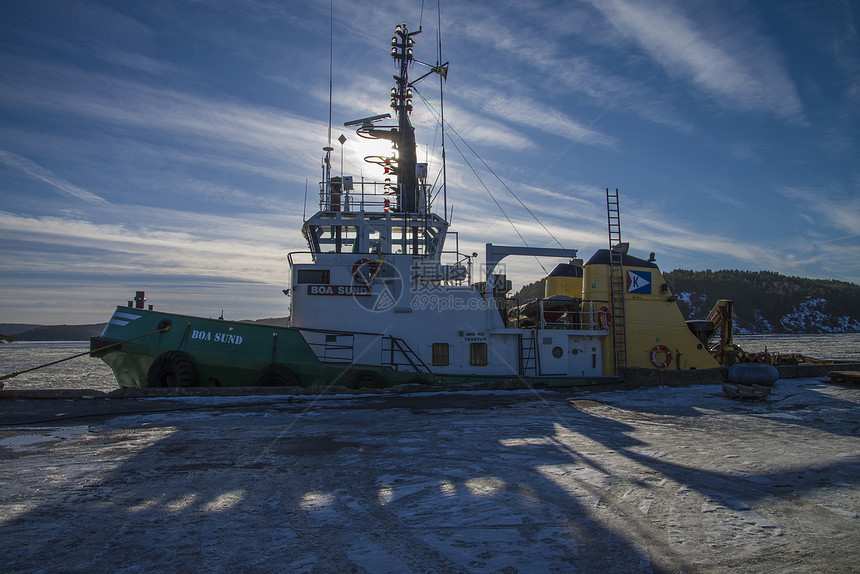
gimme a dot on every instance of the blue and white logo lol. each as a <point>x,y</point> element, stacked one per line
<point>639,282</point>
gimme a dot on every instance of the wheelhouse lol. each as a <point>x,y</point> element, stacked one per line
<point>376,233</point>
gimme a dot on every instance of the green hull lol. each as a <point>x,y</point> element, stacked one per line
<point>233,354</point>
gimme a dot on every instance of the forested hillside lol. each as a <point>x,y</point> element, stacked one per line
<point>765,302</point>
<point>531,291</point>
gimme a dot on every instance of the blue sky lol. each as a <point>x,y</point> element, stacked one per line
<point>167,145</point>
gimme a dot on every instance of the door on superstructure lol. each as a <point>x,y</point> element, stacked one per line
<point>576,357</point>
<point>583,357</point>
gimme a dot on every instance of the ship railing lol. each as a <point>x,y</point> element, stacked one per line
<point>307,256</point>
<point>397,354</point>
<point>332,346</point>
<point>459,266</point>
<point>573,314</point>
<point>450,268</point>
<point>339,347</point>
<point>360,196</point>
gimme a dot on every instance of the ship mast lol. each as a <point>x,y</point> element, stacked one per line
<point>401,101</point>
<point>404,164</point>
<point>410,186</point>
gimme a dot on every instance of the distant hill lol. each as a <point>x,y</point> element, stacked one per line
<point>765,302</point>
<point>52,332</point>
<point>272,322</point>
<point>15,328</point>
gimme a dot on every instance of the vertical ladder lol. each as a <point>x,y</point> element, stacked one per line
<point>616,278</point>
<point>528,354</point>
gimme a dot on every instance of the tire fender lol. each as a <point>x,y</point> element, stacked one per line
<point>276,375</point>
<point>367,379</point>
<point>172,369</point>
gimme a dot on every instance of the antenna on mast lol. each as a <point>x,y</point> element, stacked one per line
<point>442,105</point>
<point>330,65</point>
<point>328,149</point>
<point>305,204</point>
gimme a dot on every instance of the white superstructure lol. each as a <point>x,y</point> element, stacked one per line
<point>379,287</point>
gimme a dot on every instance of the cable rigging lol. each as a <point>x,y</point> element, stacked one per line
<point>436,116</point>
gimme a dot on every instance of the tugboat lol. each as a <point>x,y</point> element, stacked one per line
<point>378,300</point>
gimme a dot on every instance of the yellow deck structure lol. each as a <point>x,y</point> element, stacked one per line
<point>657,335</point>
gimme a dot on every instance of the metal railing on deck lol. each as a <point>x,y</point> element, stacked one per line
<point>399,354</point>
<point>334,347</point>
<point>365,195</point>
<point>574,314</point>
<point>339,347</point>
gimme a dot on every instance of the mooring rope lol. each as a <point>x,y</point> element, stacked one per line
<point>15,374</point>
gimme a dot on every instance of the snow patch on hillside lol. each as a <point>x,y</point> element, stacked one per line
<point>810,317</point>
<point>696,303</point>
<point>762,325</point>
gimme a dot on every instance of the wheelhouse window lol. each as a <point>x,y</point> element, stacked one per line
<point>440,354</point>
<point>431,240</point>
<point>396,233</point>
<point>415,240</point>
<point>316,276</point>
<point>478,354</point>
<point>376,240</point>
<point>397,240</point>
<point>333,238</point>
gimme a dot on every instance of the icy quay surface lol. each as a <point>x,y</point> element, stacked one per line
<point>667,480</point>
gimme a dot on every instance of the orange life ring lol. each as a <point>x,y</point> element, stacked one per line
<point>661,349</point>
<point>604,317</point>
<point>367,277</point>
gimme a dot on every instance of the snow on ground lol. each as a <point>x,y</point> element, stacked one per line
<point>658,479</point>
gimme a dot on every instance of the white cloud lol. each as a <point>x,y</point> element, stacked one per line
<point>35,171</point>
<point>548,47</point>
<point>185,244</point>
<point>219,124</point>
<point>479,129</point>
<point>728,60</point>
<point>832,209</point>
<point>528,112</point>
